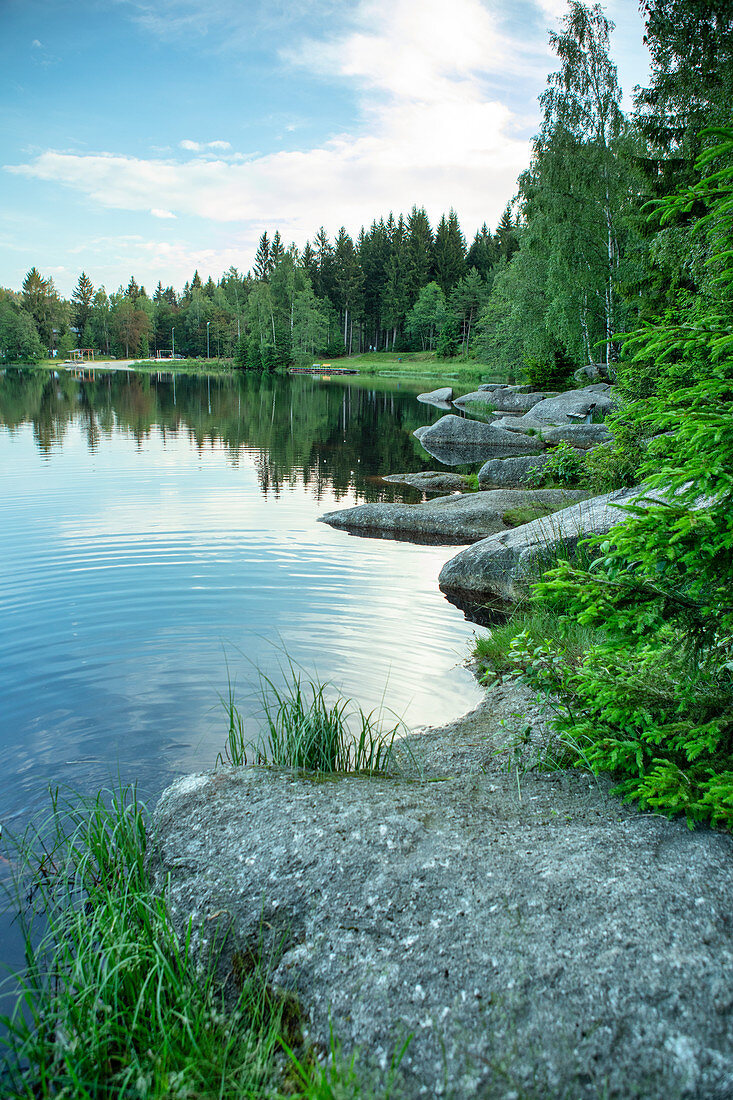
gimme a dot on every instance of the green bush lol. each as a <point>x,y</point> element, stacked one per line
<point>653,702</point>
<point>551,372</point>
<point>565,466</point>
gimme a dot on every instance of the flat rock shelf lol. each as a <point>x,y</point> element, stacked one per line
<point>530,935</point>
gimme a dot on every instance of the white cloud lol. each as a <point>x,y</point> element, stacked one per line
<point>35,44</point>
<point>202,146</point>
<point>430,134</point>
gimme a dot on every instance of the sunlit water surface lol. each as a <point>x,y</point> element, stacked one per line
<point>160,539</point>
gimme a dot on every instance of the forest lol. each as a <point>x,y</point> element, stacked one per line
<point>573,261</point>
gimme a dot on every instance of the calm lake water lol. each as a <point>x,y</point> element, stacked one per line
<point>155,529</point>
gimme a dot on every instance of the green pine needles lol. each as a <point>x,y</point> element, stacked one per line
<point>652,702</point>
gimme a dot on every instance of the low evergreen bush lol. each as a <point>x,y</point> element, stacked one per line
<point>653,701</point>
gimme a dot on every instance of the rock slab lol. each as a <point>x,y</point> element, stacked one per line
<point>544,942</point>
<point>466,517</point>
<point>441,397</point>
<point>502,567</point>
<point>486,440</point>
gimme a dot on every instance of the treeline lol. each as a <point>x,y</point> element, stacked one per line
<point>393,288</point>
<point>572,263</point>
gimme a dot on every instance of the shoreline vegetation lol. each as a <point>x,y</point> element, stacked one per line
<point>112,1002</point>
<point>408,365</point>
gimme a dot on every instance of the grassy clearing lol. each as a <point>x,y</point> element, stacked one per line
<point>305,730</point>
<point>422,364</point>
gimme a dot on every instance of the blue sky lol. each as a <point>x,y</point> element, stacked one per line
<point>156,137</point>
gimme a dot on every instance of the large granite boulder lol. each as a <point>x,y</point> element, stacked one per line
<point>501,568</point>
<point>485,440</point>
<point>430,481</point>
<point>465,517</point>
<point>501,399</point>
<point>533,939</point>
<point>441,397</point>
<point>509,473</point>
<point>581,436</point>
<point>574,405</point>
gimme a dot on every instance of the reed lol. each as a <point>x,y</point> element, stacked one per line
<point>304,728</point>
<point>110,1002</point>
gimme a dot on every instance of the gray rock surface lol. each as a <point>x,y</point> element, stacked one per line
<point>438,397</point>
<point>510,399</point>
<point>566,406</point>
<point>486,440</point>
<point>581,436</point>
<point>502,400</point>
<point>501,568</point>
<point>534,938</point>
<point>430,481</point>
<point>520,424</point>
<point>461,518</point>
<point>595,372</point>
<point>509,473</point>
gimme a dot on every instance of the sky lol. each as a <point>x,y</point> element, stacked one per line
<point>158,137</point>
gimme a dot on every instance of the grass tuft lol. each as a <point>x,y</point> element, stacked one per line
<point>305,730</point>
<point>111,1003</point>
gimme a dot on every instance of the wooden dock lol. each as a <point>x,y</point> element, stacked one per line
<point>323,368</point>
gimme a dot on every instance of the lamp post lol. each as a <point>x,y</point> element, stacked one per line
<point>207,339</point>
<point>173,343</point>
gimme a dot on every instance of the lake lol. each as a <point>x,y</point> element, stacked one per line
<point>159,537</point>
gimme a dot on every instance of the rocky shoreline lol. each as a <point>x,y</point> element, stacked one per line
<point>530,935</point>
<point>484,920</point>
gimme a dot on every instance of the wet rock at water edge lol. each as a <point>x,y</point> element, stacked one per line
<point>502,399</point>
<point>501,568</point>
<point>553,945</point>
<point>430,481</point>
<point>486,440</point>
<point>454,519</point>
<point>441,397</point>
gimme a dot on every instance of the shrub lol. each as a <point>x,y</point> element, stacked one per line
<point>551,372</point>
<point>653,702</point>
<point>564,466</point>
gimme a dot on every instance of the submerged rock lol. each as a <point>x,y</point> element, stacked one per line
<point>464,517</point>
<point>534,940</point>
<point>501,568</point>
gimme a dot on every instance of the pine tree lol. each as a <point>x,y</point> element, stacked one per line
<point>263,262</point>
<point>419,252</point>
<point>82,298</point>
<point>277,251</point>
<point>449,253</point>
<point>483,253</point>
